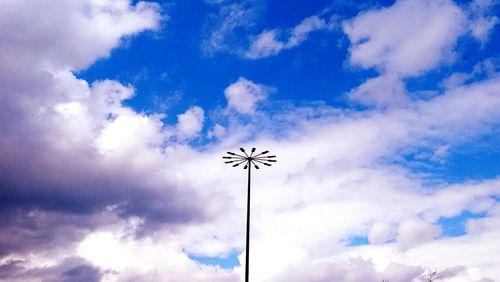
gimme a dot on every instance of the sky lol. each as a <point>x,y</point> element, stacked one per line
<point>115,115</point>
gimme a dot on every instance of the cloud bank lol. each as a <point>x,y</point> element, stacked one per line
<point>93,190</point>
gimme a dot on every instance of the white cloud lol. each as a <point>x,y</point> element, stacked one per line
<point>413,231</point>
<point>218,131</point>
<point>410,38</point>
<point>321,193</point>
<point>383,91</point>
<point>244,95</point>
<point>161,258</point>
<point>354,270</point>
<point>220,27</point>
<point>455,80</point>
<point>267,43</point>
<point>406,39</point>
<point>264,45</point>
<point>399,272</point>
<point>481,20</point>
<point>190,123</point>
<point>329,196</point>
<point>232,17</point>
<point>127,133</point>
<point>301,31</point>
<point>481,27</point>
<point>96,163</point>
<point>381,232</point>
<point>56,43</point>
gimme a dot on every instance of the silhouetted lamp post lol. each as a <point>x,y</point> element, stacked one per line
<point>249,161</point>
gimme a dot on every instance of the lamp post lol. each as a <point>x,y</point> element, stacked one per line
<point>249,161</point>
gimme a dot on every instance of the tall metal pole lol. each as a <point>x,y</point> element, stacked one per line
<point>248,227</point>
<point>249,160</point>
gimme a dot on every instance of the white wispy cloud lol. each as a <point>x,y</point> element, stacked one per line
<point>233,16</point>
<point>268,43</point>
<point>481,18</point>
<point>222,25</point>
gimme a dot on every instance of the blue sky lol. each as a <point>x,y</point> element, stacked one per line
<point>172,61</point>
<point>115,114</point>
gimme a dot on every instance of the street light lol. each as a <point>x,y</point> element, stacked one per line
<point>249,161</point>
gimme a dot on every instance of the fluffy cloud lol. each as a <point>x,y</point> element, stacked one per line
<point>382,91</point>
<point>414,231</point>
<point>324,192</point>
<point>73,157</point>
<point>407,38</point>
<point>380,232</point>
<point>57,43</point>
<point>77,163</point>
<point>326,197</point>
<point>244,95</point>
<point>190,123</point>
<point>410,38</point>
<point>162,258</point>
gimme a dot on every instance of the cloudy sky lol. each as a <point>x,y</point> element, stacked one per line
<point>384,115</point>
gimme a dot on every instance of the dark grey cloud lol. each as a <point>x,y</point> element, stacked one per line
<point>69,269</point>
<point>10,268</point>
<point>55,183</point>
<point>43,196</point>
